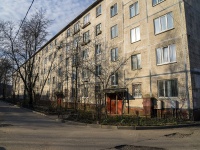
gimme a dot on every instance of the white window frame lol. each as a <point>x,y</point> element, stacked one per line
<point>114,79</point>
<point>98,29</point>
<point>137,90</point>
<point>98,70</point>
<point>85,73</point>
<point>135,34</point>
<point>138,62</point>
<point>86,37</point>
<point>86,19</point>
<point>68,32</point>
<point>166,55</point>
<point>76,27</point>
<point>155,2</point>
<point>161,24</point>
<point>85,54</point>
<point>165,88</point>
<point>114,54</point>
<point>134,9</point>
<point>113,10</point>
<point>114,31</point>
<point>98,49</point>
<point>98,11</point>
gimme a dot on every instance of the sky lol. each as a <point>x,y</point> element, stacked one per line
<point>60,11</point>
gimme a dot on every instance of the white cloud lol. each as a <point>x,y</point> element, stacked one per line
<point>61,11</point>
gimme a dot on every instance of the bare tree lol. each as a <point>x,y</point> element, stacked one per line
<point>22,48</point>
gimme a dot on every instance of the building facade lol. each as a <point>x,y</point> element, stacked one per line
<point>131,56</point>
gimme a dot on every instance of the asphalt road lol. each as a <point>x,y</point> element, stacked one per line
<point>22,129</point>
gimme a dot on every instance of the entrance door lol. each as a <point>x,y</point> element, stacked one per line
<point>114,106</point>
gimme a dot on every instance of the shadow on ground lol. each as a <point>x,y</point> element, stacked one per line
<point>132,147</point>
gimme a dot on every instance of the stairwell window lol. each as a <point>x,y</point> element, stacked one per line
<point>134,9</point>
<point>86,37</point>
<point>98,49</point>
<point>166,54</point>
<point>85,54</point>
<point>114,79</point>
<point>155,2</point>
<point>136,91</point>
<point>135,34</point>
<point>136,62</point>
<point>114,54</point>
<point>98,29</point>
<point>163,23</point>
<point>113,10</point>
<point>98,70</point>
<point>114,31</point>
<point>168,88</point>
<point>85,73</point>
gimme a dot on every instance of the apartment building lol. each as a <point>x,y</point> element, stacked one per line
<point>129,56</point>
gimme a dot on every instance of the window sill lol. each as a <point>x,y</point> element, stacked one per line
<point>114,37</point>
<point>167,98</point>
<point>99,33</point>
<point>98,15</point>
<point>157,4</point>
<point>76,31</point>
<point>166,63</point>
<point>85,25</point>
<point>134,16</point>
<point>113,15</point>
<point>135,41</point>
<point>164,31</point>
<point>85,43</point>
<point>136,69</point>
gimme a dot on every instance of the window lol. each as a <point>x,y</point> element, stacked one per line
<point>85,73</point>
<point>73,92</point>
<point>168,88</point>
<point>86,19</point>
<point>76,40</point>
<point>136,62</point>
<point>50,56</point>
<point>60,58</point>
<point>60,71</point>
<point>166,55</point>
<point>136,90</point>
<point>113,10</point>
<point>114,54</point>
<point>45,60</point>
<point>86,37</point>
<point>155,2</point>
<point>85,54</point>
<point>59,86</point>
<point>50,45</point>
<point>74,75</point>
<point>53,80</point>
<point>48,81</point>
<point>55,42</point>
<point>74,59</point>
<point>98,70</point>
<point>67,47</point>
<point>135,34</point>
<point>46,49</point>
<point>98,49</point>
<point>134,9</point>
<point>98,11</point>
<point>85,91</point>
<point>163,23</point>
<point>114,79</point>
<point>76,27</point>
<point>67,62</point>
<point>98,29</point>
<point>68,32</point>
<point>114,31</point>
